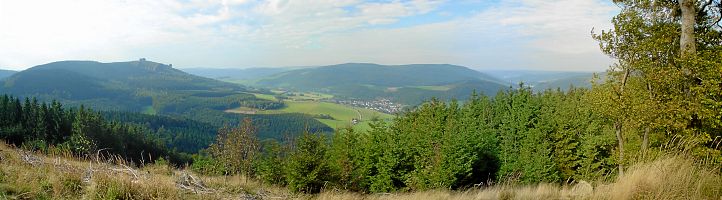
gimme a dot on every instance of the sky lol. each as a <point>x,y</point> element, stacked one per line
<point>480,34</point>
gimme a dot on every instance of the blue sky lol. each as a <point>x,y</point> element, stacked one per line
<point>494,34</point>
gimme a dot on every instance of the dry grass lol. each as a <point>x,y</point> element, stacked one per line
<point>671,177</point>
<point>64,177</point>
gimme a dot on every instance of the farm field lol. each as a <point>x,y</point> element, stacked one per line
<point>340,115</point>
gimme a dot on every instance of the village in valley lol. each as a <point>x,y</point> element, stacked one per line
<point>381,104</point>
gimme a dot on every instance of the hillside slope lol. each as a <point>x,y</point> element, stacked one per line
<point>6,73</point>
<point>374,74</point>
<point>407,84</point>
<point>119,85</point>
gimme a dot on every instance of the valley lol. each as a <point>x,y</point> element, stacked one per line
<point>335,114</point>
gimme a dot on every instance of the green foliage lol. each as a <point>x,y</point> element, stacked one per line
<point>205,164</point>
<point>181,133</point>
<point>344,159</point>
<point>517,137</point>
<point>236,148</point>
<point>269,167</point>
<point>653,93</point>
<point>307,167</point>
<point>51,128</point>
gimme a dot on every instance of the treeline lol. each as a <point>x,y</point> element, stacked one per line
<point>262,104</point>
<point>189,136</point>
<point>516,137</point>
<point>178,133</point>
<point>209,107</point>
<point>53,128</point>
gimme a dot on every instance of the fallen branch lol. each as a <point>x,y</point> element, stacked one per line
<point>189,182</point>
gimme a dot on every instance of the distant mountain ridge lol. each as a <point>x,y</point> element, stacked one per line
<point>542,80</point>
<point>238,74</point>
<point>133,73</point>
<point>6,73</point>
<point>374,74</point>
<point>408,84</point>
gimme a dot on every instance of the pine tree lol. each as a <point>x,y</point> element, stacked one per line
<point>307,168</point>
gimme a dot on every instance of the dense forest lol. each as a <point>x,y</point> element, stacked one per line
<point>51,128</point>
<point>178,133</point>
<point>516,137</point>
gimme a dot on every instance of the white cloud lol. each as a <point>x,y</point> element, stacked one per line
<point>511,33</point>
<point>562,26</point>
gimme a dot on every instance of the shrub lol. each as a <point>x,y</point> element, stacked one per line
<point>207,165</point>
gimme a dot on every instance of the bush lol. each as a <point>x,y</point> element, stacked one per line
<point>207,165</point>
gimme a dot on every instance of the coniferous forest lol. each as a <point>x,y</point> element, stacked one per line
<point>51,128</point>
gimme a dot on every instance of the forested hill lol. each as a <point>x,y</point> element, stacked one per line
<point>6,73</point>
<point>118,86</point>
<point>374,74</point>
<point>406,84</point>
<point>135,74</point>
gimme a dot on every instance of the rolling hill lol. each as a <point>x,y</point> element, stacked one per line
<point>407,84</point>
<point>6,73</point>
<point>119,85</point>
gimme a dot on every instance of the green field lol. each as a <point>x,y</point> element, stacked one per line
<point>307,96</point>
<point>310,103</point>
<point>149,110</point>
<point>265,96</point>
<point>342,114</point>
<point>434,87</point>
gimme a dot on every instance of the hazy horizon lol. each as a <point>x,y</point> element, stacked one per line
<point>506,34</point>
<point>492,69</point>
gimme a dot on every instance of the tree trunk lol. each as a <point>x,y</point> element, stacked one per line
<point>687,42</point>
<point>645,139</point>
<point>620,141</point>
<point>618,125</point>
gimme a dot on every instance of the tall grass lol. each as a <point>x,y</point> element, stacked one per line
<point>658,175</point>
<point>670,177</point>
<point>67,177</point>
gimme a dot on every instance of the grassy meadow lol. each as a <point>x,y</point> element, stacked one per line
<point>341,114</point>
